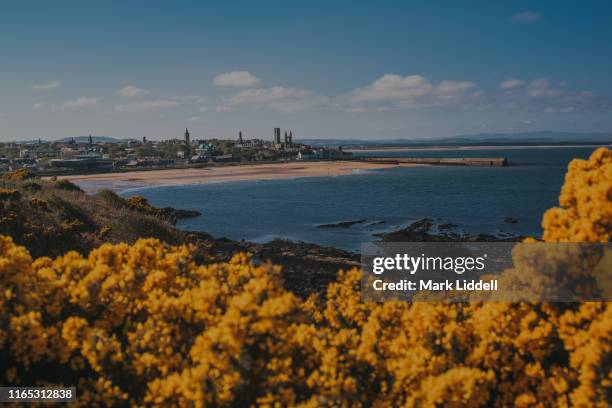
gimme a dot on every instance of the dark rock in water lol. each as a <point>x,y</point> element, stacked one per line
<point>174,214</point>
<point>186,213</point>
<point>447,226</point>
<point>417,231</point>
<point>343,224</point>
<point>420,232</point>
<point>510,220</point>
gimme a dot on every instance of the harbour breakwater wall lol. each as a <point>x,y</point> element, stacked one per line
<point>442,161</point>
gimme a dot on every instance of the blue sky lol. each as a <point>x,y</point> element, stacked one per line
<point>341,69</point>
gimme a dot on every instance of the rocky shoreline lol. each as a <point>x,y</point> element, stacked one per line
<point>173,214</point>
<point>309,268</point>
<point>420,231</point>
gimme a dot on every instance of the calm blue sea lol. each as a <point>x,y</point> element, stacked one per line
<point>476,199</point>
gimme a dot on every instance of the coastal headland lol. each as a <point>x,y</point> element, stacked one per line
<point>215,174</point>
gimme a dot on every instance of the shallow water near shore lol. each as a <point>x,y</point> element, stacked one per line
<point>476,199</point>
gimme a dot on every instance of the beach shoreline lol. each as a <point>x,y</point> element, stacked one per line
<point>219,174</point>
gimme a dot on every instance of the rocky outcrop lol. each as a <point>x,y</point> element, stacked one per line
<point>342,224</point>
<point>447,226</point>
<point>420,231</point>
<point>307,268</point>
<point>175,214</point>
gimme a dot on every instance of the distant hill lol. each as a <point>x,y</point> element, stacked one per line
<point>79,139</point>
<point>96,139</point>
<point>494,139</point>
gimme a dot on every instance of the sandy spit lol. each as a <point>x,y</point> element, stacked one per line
<point>216,174</point>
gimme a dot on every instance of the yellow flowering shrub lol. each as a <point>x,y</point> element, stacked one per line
<point>585,212</point>
<point>139,203</point>
<point>19,175</point>
<point>143,324</point>
<point>9,194</point>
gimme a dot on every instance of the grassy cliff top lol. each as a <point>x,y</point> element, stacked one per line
<point>52,217</point>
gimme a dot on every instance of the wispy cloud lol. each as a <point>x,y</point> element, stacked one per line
<point>241,79</point>
<point>38,105</point>
<point>197,119</point>
<point>82,102</point>
<point>146,105</point>
<point>46,87</point>
<point>542,95</point>
<point>526,17</point>
<point>277,98</point>
<point>130,91</point>
<point>511,83</point>
<point>395,92</point>
<point>188,98</point>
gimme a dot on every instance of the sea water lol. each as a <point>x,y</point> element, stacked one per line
<point>476,199</point>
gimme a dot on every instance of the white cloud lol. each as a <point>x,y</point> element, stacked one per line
<point>82,102</point>
<point>240,79</point>
<point>146,105</point>
<point>526,17</point>
<point>203,108</point>
<point>130,91</point>
<point>196,119</point>
<point>511,83</point>
<point>46,87</point>
<point>38,105</point>
<point>542,88</point>
<point>189,98</point>
<point>278,98</point>
<point>542,95</point>
<point>394,92</point>
<point>566,109</point>
<point>222,108</point>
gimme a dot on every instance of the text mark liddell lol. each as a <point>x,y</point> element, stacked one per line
<point>432,285</point>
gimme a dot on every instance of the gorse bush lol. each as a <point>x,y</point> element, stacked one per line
<point>143,324</point>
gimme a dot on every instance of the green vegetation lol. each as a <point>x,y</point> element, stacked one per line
<point>52,217</point>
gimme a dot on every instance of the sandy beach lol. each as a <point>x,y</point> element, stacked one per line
<point>216,174</point>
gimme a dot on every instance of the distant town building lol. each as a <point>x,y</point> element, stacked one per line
<point>306,154</point>
<point>225,158</point>
<point>25,154</point>
<point>277,136</point>
<point>240,137</point>
<point>187,137</point>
